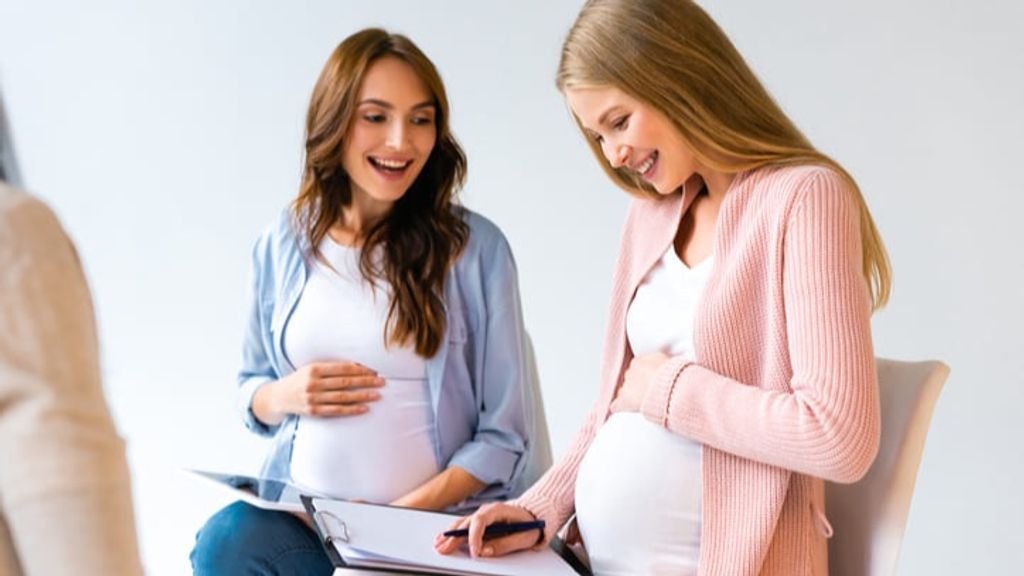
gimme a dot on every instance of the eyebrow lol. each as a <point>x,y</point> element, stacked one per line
<point>604,117</point>
<point>390,106</point>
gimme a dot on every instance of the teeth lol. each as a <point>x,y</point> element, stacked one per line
<point>392,164</point>
<point>643,168</point>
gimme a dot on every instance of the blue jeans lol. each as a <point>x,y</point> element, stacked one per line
<point>242,539</point>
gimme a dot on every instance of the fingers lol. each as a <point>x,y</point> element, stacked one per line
<point>345,382</point>
<point>332,369</point>
<point>327,389</point>
<point>495,547</point>
<point>478,522</point>
<point>328,410</point>
<point>339,403</point>
<point>343,397</point>
<point>447,544</point>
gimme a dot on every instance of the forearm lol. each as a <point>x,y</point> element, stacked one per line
<point>825,426</point>
<point>451,486</point>
<point>553,497</point>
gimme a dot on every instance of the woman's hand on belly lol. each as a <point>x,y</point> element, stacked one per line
<point>638,378</point>
<point>320,389</point>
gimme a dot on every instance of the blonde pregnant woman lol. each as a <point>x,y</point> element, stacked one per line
<point>738,372</point>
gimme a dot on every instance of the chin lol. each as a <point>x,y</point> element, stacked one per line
<point>663,190</point>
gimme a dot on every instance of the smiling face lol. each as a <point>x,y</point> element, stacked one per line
<point>392,134</point>
<point>634,135</point>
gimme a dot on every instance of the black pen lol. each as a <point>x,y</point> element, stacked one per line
<point>500,529</point>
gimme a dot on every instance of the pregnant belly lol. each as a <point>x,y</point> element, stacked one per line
<point>378,456</point>
<point>638,499</point>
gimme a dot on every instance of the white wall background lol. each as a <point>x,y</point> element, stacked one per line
<point>167,134</point>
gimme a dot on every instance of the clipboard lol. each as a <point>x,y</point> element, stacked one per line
<point>375,538</point>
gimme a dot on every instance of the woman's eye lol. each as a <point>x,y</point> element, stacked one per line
<point>374,118</point>
<point>422,121</point>
<point>621,123</point>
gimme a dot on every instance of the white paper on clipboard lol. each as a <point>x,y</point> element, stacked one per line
<point>374,536</point>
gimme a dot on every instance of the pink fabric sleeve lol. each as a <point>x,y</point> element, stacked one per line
<point>827,423</point>
<point>553,497</point>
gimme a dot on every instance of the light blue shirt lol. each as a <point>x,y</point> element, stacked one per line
<point>479,383</point>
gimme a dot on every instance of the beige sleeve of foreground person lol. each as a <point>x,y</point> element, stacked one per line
<point>65,492</point>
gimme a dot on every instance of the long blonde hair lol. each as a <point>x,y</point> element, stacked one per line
<point>673,56</point>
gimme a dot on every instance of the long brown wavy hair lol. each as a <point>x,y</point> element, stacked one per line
<point>673,56</point>
<point>423,234</point>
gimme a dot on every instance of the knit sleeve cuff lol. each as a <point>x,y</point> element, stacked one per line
<point>658,399</point>
<point>542,509</point>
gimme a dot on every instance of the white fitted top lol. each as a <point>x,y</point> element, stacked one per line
<point>638,489</point>
<point>382,454</point>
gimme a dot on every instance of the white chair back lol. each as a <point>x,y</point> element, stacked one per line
<point>540,457</point>
<point>869,516</point>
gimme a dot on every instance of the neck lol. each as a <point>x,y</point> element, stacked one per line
<point>358,217</point>
<point>716,183</point>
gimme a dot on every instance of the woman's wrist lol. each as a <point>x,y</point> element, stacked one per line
<point>264,404</point>
<point>533,517</point>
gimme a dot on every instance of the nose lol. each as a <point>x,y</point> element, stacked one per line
<point>397,134</point>
<point>617,154</point>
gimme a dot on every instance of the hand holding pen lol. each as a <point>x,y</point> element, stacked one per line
<point>493,530</point>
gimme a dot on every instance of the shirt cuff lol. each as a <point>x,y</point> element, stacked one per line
<point>542,509</point>
<point>245,395</point>
<point>486,462</point>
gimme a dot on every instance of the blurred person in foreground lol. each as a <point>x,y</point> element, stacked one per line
<point>65,492</point>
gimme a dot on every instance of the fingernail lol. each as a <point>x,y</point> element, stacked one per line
<point>487,551</point>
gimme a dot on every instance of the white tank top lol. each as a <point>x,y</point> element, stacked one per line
<point>390,450</point>
<point>638,489</point>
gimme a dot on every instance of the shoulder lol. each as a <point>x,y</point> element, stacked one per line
<point>481,228</point>
<point>783,191</point>
<point>486,263</point>
<point>485,238</point>
<point>278,238</point>
<point>17,206</point>
<point>792,182</point>
<point>25,221</point>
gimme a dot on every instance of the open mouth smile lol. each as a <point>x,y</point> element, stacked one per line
<point>389,168</point>
<point>647,168</point>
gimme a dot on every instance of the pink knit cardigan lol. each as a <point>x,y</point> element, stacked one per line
<point>783,391</point>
